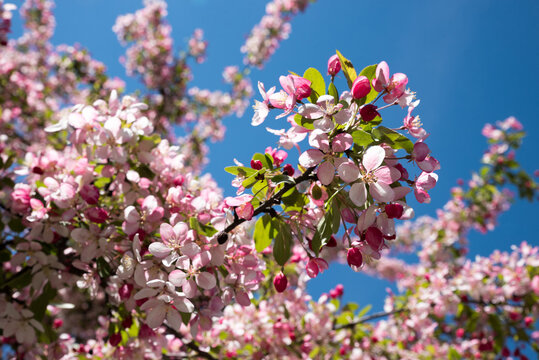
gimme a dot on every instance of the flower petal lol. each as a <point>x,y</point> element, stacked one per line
<point>358,194</point>
<point>348,171</point>
<point>326,172</point>
<point>381,192</point>
<point>311,158</point>
<point>373,158</point>
<point>159,250</point>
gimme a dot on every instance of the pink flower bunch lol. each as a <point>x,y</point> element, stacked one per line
<point>274,27</point>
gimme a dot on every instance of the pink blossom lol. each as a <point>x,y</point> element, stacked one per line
<point>334,65</point>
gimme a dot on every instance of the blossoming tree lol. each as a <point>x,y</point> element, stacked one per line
<point>114,244</point>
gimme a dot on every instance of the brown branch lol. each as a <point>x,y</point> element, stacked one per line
<point>266,206</point>
<point>368,318</point>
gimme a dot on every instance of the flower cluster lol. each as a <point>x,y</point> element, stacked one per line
<point>352,173</point>
<point>274,27</point>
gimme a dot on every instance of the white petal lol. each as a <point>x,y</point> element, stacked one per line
<point>156,316</point>
<point>358,194</point>
<point>373,157</point>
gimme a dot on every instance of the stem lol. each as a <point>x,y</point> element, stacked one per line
<point>368,318</point>
<point>267,205</point>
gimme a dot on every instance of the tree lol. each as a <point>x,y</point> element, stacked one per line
<point>116,245</point>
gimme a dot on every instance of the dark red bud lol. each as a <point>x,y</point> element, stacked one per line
<point>115,339</point>
<point>288,170</point>
<point>280,282</point>
<point>256,164</point>
<point>368,112</point>
<point>354,257</point>
<point>394,211</point>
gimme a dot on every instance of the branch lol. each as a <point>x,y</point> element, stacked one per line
<point>192,345</point>
<point>368,318</point>
<point>267,205</point>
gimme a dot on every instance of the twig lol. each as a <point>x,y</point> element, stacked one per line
<point>267,205</point>
<point>368,318</point>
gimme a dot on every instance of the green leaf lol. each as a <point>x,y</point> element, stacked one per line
<point>103,268</point>
<point>39,305</point>
<point>318,85</point>
<point>240,170</point>
<point>393,138</point>
<point>347,69</point>
<point>332,90</point>
<point>145,171</point>
<point>277,179</point>
<point>251,180</point>
<point>206,230</point>
<point>264,232</point>
<point>186,317</point>
<point>16,224</point>
<point>362,138</point>
<point>102,182</point>
<point>453,354</point>
<point>304,122</point>
<point>370,73</point>
<point>283,242</point>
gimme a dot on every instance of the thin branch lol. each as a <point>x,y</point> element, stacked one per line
<point>368,318</point>
<point>267,205</point>
<point>192,345</point>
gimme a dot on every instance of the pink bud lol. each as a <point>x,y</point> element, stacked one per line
<point>369,112</point>
<point>245,211</point>
<point>312,269</point>
<point>420,152</point>
<point>528,320</point>
<point>115,339</point>
<point>97,215</point>
<point>256,164</point>
<point>394,211</point>
<point>361,87</point>
<point>403,171</point>
<point>57,323</point>
<point>334,65</point>
<point>374,238</point>
<point>280,282</point>
<point>125,291</point>
<point>90,194</point>
<point>303,87</point>
<point>354,257</point>
<point>288,170</point>
<point>460,332</point>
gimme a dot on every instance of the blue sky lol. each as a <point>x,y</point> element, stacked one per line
<point>470,62</point>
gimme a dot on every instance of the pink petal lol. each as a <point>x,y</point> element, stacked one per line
<point>206,280</point>
<point>387,175</point>
<point>287,82</point>
<point>429,165</point>
<point>373,157</point>
<point>167,233</point>
<point>326,172</point>
<point>184,305</point>
<point>381,192</point>
<point>310,111</point>
<point>319,139</point>
<point>400,192</point>
<point>243,298</point>
<point>367,218</point>
<point>156,316</point>
<point>177,277</point>
<point>348,172</point>
<point>261,113</point>
<point>190,288</point>
<point>420,152</point>
<point>358,194</point>
<point>311,158</point>
<point>159,250</point>
<point>174,319</point>
<point>342,142</point>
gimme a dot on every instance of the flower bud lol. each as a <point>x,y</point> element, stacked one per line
<point>280,282</point>
<point>97,215</point>
<point>334,65</point>
<point>374,238</point>
<point>368,112</point>
<point>394,211</point>
<point>288,170</point>
<point>354,257</point>
<point>303,87</point>
<point>256,164</point>
<point>115,339</point>
<point>90,194</point>
<point>361,87</point>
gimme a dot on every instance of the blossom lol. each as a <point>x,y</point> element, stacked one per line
<point>378,177</point>
<point>261,108</point>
